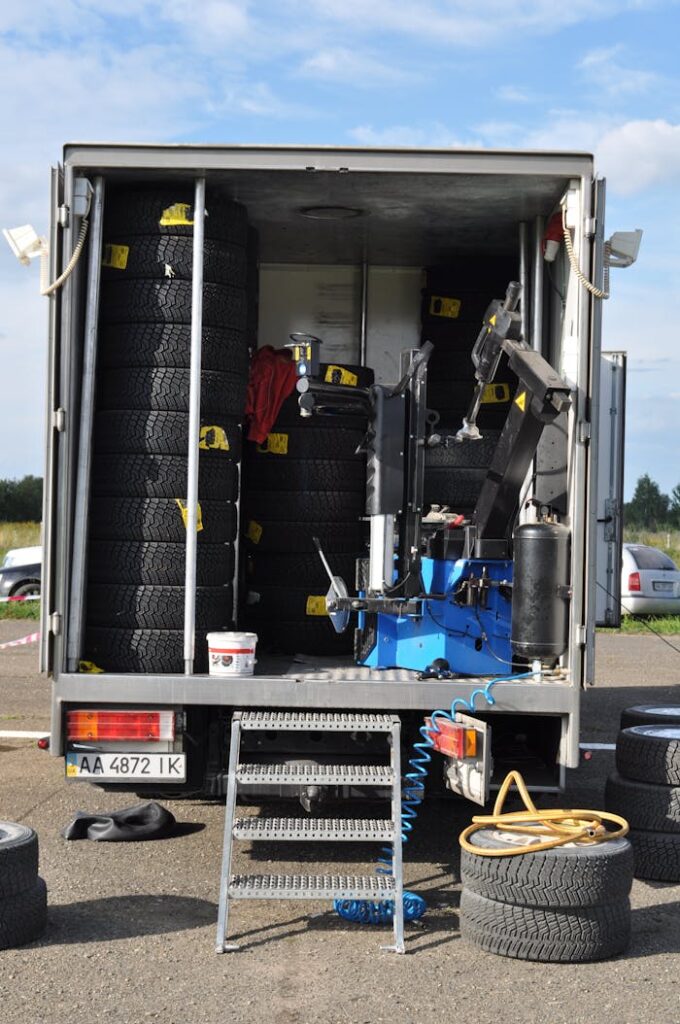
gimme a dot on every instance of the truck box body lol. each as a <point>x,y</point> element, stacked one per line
<point>355,279</point>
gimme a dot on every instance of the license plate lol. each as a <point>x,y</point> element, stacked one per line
<point>109,767</point>
<point>666,587</point>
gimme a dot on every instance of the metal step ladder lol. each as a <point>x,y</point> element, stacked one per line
<point>386,886</point>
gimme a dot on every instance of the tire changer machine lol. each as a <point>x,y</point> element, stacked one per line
<point>437,594</point>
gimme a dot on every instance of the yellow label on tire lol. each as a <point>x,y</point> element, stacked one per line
<point>316,605</point>
<point>89,667</point>
<point>274,444</point>
<point>177,214</point>
<point>440,305</point>
<point>184,512</point>
<point>339,375</point>
<point>116,256</point>
<point>212,438</point>
<point>254,532</point>
<point>495,393</point>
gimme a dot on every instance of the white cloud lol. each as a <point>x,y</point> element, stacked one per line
<point>514,94</point>
<point>602,68</point>
<point>639,154</point>
<point>436,135</point>
<point>359,69</point>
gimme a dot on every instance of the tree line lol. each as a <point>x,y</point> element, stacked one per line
<point>650,509</point>
<point>21,500</point>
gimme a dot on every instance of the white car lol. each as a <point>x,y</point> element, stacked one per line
<point>650,582</point>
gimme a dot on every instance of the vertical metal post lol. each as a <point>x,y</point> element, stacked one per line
<point>76,620</point>
<point>524,277</point>
<point>537,303</point>
<point>194,427</point>
<point>397,858</point>
<point>363,328</point>
<point>221,946</point>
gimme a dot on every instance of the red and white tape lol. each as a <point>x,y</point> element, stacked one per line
<point>30,639</point>
<point>27,597</point>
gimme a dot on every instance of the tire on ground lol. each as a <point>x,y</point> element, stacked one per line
<point>160,519</point>
<point>167,390</point>
<point>650,714</point>
<point>650,753</point>
<point>566,876</point>
<point>302,475</point>
<point>643,805</point>
<point>657,855</point>
<point>23,916</point>
<point>171,256</point>
<point>169,302</point>
<point>126,344</point>
<point>151,607</point>
<point>169,211</point>
<point>165,433</point>
<point>267,536</point>
<point>155,563</point>
<point>144,650</point>
<point>546,935</point>
<point>162,476</point>
<point>18,858</point>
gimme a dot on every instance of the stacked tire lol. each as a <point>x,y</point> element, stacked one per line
<point>455,299</point>
<point>646,788</point>
<point>306,480</point>
<point>23,894</point>
<point>569,904</point>
<point>135,608</point>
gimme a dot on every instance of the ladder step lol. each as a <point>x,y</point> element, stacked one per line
<point>311,887</point>
<point>314,829</point>
<point>313,721</point>
<point>315,774</point>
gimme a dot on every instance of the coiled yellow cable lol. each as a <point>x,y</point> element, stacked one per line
<point>559,826</point>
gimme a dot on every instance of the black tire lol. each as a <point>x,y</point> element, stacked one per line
<point>297,637</point>
<point>160,519</point>
<point>157,564</point>
<point>304,475</point>
<point>267,602</point>
<point>650,753</point>
<point>167,390</point>
<point>657,855</point>
<point>170,345</point>
<point>564,935</point>
<point>312,507</point>
<point>267,536</point>
<point>143,212</point>
<point>18,858</point>
<point>169,302</point>
<point>23,917</point>
<point>149,607</point>
<point>458,488</point>
<point>29,588</point>
<point>300,443</point>
<point>165,433</point>
<point>145,650</point>
<point>467,455</point>
<point>567,876</point>
<point>645,806</point>
<point>289,416</point>
<point>650,714</point>
<point>162,476</point>
<point>171,256</point>
<point>306,570</point>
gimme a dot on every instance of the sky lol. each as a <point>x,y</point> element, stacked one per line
<point>595,75</point>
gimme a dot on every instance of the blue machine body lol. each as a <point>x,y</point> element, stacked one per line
<point>475,641</point>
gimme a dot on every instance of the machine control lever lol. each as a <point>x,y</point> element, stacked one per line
<point>337,594</point>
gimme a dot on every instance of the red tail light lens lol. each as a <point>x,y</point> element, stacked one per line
<point>634,581</point>
<point>120,725</point>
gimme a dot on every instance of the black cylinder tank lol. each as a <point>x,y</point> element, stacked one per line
<point>540,592</point>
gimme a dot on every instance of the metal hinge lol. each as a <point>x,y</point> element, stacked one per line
<point>55,623</point>
<point>585,432</point>
<point>59,420</point>
<point>581,635</point>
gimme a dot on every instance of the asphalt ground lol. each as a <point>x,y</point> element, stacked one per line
<point>132,925</point>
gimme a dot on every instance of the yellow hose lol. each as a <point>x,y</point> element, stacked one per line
<point>559,826</point>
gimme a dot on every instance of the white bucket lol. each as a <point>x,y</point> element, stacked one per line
<point>231,654</point>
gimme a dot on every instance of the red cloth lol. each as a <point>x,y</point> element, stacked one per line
<point>272,380</point>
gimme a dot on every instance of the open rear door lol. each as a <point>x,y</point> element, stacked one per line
<point>612,410</point>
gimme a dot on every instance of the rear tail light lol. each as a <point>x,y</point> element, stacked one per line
<point>120,725</point>
<point>634,581</point>
<point>452,739</point>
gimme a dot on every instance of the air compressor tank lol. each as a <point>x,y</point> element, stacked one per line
<point>541,592</point>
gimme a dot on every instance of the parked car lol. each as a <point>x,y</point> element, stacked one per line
<point>20,572</point>
<point>650,582</point>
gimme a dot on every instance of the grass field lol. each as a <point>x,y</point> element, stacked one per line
<point>18,535</point>
<point>665,540</point>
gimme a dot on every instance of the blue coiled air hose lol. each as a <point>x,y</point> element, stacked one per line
<point>382,911</point>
